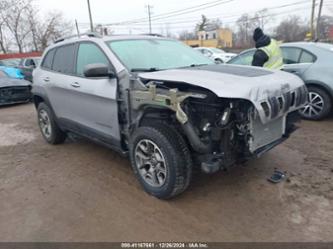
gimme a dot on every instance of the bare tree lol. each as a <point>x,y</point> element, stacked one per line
<point>291,29</point>
<point>246,24</point>
<point>2,38</point>
<point>261,18</point>
<point>53,27</point>
<point>33,24</point>
<point>15,18</point>
<point>325,24</point>
<point>21,23</point>
<point>202,25</point>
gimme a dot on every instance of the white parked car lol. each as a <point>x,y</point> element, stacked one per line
<point>218,55</point>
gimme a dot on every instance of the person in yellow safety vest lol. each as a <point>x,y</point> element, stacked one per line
<point>268,52</point>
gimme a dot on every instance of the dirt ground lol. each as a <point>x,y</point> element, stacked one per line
<point>80,191</point>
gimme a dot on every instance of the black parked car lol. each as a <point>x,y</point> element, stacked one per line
<point>27,65</point>
<point>313,63</point>
<point>13,91</point>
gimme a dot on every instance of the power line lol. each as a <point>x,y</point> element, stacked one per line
<point>187,20</point>
<point>228,17</point>
<point>178,12</point>
<point>282,6</point>
<point>234,21</point>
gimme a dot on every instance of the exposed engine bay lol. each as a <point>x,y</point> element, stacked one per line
<point>221,131</point>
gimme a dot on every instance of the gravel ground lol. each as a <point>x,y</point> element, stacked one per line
<point>80,191</point>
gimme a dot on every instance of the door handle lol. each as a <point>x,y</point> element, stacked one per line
<point>46,79</point>
<point>75,84</point>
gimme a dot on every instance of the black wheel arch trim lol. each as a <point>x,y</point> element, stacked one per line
<point>320,85</point>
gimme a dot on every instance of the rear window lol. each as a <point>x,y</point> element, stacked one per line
<point>47,62</point>
<point>63,61</point>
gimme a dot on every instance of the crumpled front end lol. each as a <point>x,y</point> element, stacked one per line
<point>232,123</point>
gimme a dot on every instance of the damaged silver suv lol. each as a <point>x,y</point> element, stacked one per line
<point>163,104</point>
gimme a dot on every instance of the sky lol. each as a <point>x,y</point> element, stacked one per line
<point>119,11</point>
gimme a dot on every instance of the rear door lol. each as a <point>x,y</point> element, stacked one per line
<point>58,80</point>
<point>296,60</point>
<point>93,101</point>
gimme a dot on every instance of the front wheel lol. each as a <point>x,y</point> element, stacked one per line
<point>319,105</point>
<point>161,160</point>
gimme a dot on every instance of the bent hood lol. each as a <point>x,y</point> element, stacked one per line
<point>230,81</point>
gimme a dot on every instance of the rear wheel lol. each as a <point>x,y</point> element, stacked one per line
<point>161,160</point>
<point>48,127</point>
<point>319,105</point>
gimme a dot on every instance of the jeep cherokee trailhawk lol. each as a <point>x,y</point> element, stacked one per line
<point>163,104</point>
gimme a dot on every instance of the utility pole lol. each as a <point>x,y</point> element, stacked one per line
<point>312,18</point>
<point>149,17</point>
<point>90,17</point>
<point>318,20</point>
<point>77,28</point>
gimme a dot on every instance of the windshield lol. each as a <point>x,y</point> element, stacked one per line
<point>217,50</point>
<point>156,54</point>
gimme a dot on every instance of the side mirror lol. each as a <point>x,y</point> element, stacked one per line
<point>97,70</point>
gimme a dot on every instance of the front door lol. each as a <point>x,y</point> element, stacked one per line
<point>94,100</point>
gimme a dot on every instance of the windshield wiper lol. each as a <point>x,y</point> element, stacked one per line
<point>152,69</point>
<point>197,65</point>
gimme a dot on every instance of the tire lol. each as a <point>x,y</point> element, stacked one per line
<point>174,162</point>
<point>320,104</point>
<point>48,127</point>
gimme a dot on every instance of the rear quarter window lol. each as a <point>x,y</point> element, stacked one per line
<point>306,57</point>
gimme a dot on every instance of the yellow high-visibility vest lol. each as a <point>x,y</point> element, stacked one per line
<point>275,59</point>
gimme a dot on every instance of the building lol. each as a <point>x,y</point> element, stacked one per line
<point>219,38</point>
<point>330,34</point>
<point>19,55</point>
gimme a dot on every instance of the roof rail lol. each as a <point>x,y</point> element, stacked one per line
<point>89,34</point>
<point>153,34</point>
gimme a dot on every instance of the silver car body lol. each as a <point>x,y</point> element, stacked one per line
<point>311,61</point>
<point>94,103</point>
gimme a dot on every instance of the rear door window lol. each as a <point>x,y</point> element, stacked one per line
<point>89,53</point>
<point>47,62</point>
<point>63,61</point>
<point>291,55</point>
